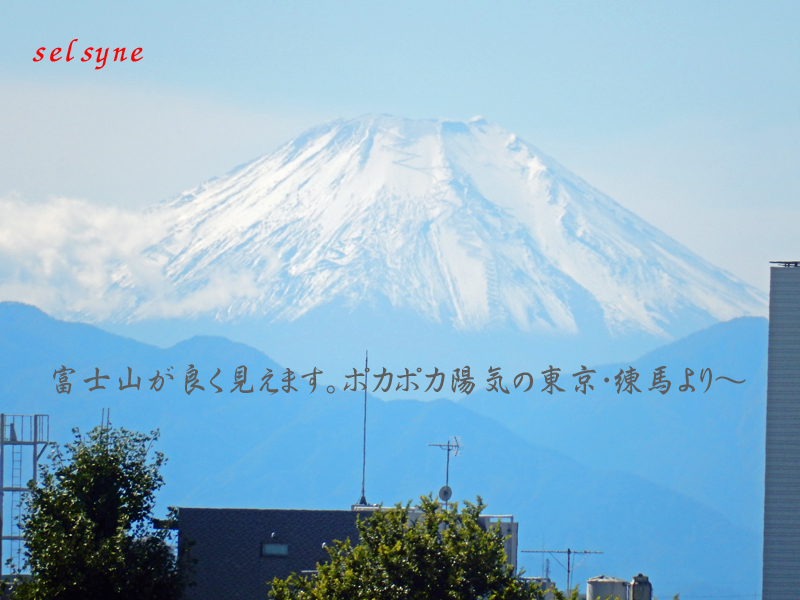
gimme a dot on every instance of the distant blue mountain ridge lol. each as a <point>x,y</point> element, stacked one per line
<point>695,442</point>
<point>665,485</point>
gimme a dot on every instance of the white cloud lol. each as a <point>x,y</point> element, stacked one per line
<point>64,255</point>
<point>75,259</point>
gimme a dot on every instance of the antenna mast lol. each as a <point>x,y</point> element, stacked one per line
<point>363,500</point>
<point>455,446</point>
<point>569,554</point>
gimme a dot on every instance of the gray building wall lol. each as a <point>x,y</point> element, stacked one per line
<point>227,545</point>
<point>781,573</point>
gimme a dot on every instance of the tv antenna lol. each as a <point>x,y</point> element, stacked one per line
<point>105,419</point>
<point>105,424</point>
<point>786,263</point>
<point>363,500</point>
<point>570,553</point>
<point>453,446</point>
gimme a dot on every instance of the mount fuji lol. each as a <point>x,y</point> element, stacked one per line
<point>461,228</point>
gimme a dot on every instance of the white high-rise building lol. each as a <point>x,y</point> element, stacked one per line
<point>782,483</point>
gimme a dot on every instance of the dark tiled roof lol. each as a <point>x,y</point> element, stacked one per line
<point>227,546</point>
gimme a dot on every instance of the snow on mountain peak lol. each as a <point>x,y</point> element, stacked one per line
<point>458,222</point>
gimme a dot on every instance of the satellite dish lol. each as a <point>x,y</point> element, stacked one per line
<point>445,493</point>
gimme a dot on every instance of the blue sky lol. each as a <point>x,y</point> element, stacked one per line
<point>687,113</point>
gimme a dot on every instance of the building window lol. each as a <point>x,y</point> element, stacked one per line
<point>273,549</point>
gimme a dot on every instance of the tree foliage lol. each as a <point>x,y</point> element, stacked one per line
<point>88,525</point>
<point>444,554</point>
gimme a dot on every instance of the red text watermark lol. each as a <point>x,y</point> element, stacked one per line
<point>102,55</point>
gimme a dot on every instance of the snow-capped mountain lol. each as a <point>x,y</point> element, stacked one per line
<point>462,223</point>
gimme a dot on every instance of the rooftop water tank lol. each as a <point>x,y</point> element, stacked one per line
<point>602,587</point>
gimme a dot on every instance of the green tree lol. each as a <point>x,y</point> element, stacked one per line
<point>444,554</point>
<point>88,526</point>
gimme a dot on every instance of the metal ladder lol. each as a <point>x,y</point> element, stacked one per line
<point>15,554</point>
